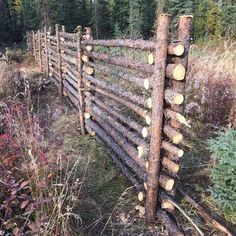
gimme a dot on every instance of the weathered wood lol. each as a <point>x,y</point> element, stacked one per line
<point>69,44</point>
<point>121,140</point>
<point>88,70</point>
<point>171,227</point>
<point>71,53</point>
<point>116,148</point>
<point>172,149</point>
<point>125,171</point>
<point>183,35</point>
<point>205,214</point>
<point>136,44</point>
<point>72,90</point>
<point>46,52</point>
<point>157,116</point>
<point>69,59</point>
<point>175,72</point>
<point>171,166</point>
<point>70,80</point>
<point>40,50</point>
<point>121,61</point>
<point>132,136</point>
<point>176,49</point>
<point>173,97</point>
<point>175,116</point>
<point>79,76</point>
<point>125,119</point>
<point>166,182</point>
<point>140,111</point>
<point>117,90</point>
<point>59,60</point>
<point>175,136</point>
<point>139,81</point>
<point>68,35</point>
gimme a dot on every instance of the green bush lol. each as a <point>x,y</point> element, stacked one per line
<point>223,173</point>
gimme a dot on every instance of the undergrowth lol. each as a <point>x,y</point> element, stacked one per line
<point>223,171</point>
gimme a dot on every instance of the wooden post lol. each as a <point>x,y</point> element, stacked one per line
<point>40,49</point>
<point>60,87</point>
<point>157,116</point>
<point>63,28</point>
<point>34,46</point>
<point>46,51</point>
<point>79,68</point>
<point>183,36</point>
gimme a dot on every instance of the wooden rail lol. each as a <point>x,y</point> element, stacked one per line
<point>132,103</point>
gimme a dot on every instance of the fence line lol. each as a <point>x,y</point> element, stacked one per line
<point>133,105</point>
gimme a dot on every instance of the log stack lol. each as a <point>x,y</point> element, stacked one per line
<point>135,107</point>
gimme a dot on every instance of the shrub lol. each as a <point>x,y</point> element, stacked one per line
<point>223,172</point>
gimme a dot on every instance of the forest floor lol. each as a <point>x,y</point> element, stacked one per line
<point>104,201</point>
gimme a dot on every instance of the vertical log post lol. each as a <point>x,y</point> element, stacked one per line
<point>79,76</point>
<point>34,46</point>
<point>40,49</point>
<point>46,51</point>
<point>60,86</point>
<point>157,116</point>
<point>183,35</point>
<point>63,28</point>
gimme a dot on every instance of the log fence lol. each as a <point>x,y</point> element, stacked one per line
<point>134,106</point>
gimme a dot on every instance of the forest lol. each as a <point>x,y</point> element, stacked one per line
<point>111,19</point>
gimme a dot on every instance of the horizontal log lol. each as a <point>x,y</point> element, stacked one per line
<point>70,73</point>
<point>141,196</point>
<point>175,71</point>
<point>68,44</point>
<point>121,140</point>
<point>175,136</point>
<point>69,59</point>
<point>69,52</point>
<point>172,149</point>
<point>72,98</point>
<point>136,44</point>
<point>173,98</point>
<point>171,166</point>
<point>70,80</point>
<point>125,119</point>
<point>51,37</point>
<point>54,71</point>
<point>140,111</point>
<point>150,59</point>
<point>68,35</point>
<point>166,182</point>
<point>121,61</point>
<point>175,116</point>
<point>176,49</point>
<point>125,171</point>
<point>88,70</point>
<point>139,81</point>
<point>170,226</point>
<point>117,90</point>
<point>132,136</point>
<point>116,149</point>
<point>70,88</point>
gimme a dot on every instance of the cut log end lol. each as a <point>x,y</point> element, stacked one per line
<point>166,182</point>
<point>177,50</point>
<point>140,151</point>
<point>87,115</point>
<point>145,132</point>
<point>89,70</point>
<point>141,196</point>
<point>92,133</point>
<point>148,119</point>
<point>145,186</point>
<point>146,84</point>
<point>149,103</point>
<point>167,205</point>
<point>151,59</point>
<point>170,165</point>
<point>147,165</point>
<point>179,72</point>
<point>89,48</point>
<point>174,98</point>
<point>177,138</point>
<point>180,153</point>
<point>85,58</point>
